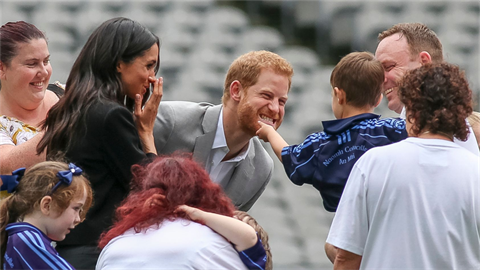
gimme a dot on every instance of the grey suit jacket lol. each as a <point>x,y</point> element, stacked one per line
<point>191,127</point>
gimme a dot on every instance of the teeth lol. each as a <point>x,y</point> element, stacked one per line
<point>266,118</point>
<point>38,84</point>
<point>388,91</point>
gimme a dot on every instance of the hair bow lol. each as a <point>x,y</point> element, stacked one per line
<point>10,182</point>
<point>65,177</point>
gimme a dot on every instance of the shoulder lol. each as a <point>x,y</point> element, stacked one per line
<point>50,99</point>
<point>183,107</point>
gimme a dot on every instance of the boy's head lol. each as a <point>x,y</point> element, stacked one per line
<point>245,217</point>
<point>360,76</point>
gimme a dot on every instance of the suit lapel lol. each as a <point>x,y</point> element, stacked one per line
<point>203,143</point>
<point>242,175</point>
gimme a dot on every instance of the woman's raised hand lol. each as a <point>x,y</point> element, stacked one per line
<point>145,117</point>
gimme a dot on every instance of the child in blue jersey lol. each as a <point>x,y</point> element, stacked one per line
<point>247,236</point>
<point>326,158</point>
<point>47,202</point>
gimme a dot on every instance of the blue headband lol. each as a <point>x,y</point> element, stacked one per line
<point>10,182</point>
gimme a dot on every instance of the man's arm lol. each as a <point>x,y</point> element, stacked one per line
<point>346,260</point>
<point>331,252</point>
<point>269,134</point>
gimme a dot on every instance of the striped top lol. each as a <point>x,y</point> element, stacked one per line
<point>30,248</point>
<point>326,158</point>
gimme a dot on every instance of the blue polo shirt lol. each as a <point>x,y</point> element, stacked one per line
<point>326,158</point>
<point>30,248</point>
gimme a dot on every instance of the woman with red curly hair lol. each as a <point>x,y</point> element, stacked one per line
<point>415,204</point>
<point>150,234</point>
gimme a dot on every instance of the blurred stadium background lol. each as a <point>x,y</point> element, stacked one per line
<point>201,38</point>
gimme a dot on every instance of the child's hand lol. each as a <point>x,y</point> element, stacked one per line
<point>192,212</point>
<point>264,130</point>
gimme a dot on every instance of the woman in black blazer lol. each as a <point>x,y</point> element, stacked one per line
<point>102,126</point>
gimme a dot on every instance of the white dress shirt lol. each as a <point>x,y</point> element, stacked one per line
<point>221,171</point>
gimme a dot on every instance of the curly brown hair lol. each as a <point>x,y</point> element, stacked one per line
<point>437,99</point>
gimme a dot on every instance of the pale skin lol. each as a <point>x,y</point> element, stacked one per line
<point>267,97</point>
<point>394,54</point>
<point>24,97</point>
<point>341,110</point>
<point>240,234</point>
<point>55,224</point>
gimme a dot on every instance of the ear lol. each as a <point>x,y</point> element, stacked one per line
<point>425,58</point>
<point>120,66</point>
<point>379,100</point>
<point>236,90</point>
<point>2,70</point>
<point>46,205</point>
<point>340,95</point>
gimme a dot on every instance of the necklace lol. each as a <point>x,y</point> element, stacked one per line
<point>449,136</point>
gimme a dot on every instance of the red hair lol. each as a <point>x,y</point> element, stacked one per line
<point>159,188</point>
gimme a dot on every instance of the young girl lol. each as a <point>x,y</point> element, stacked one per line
<point>241,231</point>
<point>48,201</point>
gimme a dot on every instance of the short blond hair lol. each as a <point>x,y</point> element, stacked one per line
<point>247,67</point>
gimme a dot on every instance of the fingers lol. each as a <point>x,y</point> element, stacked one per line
<point>138,105</point>
<point>157,93</point>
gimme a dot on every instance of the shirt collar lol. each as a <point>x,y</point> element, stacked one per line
<point>340,125</point>
<point>221,142</point>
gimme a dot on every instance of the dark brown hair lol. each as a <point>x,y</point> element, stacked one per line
<point>37,182</point>
<point>419,38</point>
<point>94,78</point>
<point>437,99</point>
<point>361,76</point>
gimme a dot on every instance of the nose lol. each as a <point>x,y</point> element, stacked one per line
<point>274,106</point>
<point>77,219</point>
<point>43,72</point>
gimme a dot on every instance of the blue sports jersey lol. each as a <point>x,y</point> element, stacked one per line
<point>30,248</point>
<point>254,257</point>
<point>326,158</point>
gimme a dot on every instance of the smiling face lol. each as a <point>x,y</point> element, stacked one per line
<point>60,224</point>
<point>26,77</point>
<point>135,74</point>
<point>264,101</point>
<point>394,54</point>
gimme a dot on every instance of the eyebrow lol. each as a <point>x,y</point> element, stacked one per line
<point>37,59</point>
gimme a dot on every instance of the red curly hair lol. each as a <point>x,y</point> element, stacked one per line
<point>159,188</point>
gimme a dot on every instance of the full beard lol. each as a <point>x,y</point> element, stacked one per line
<point>248,119</point>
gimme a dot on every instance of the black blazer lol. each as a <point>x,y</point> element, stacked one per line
<point>106,150</point>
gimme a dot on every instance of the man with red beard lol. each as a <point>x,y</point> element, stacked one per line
<point>407,46</point>
<point>221,137</point>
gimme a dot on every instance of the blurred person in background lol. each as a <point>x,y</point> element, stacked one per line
<point>406,46</point>
<point>100,124</point>
<point>415,204</point>
<point>222,137</point>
